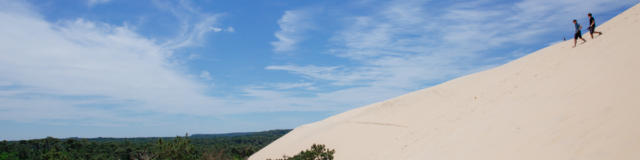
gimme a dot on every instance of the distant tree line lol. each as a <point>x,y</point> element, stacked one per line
<point>218,146</point>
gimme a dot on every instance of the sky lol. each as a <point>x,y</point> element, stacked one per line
<point>121,68</point>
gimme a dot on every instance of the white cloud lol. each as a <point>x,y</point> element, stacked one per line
<point>193,56</point>
<point>205,75</point>
<point>396,49</point>
<point>91,64</point>
<point>193,33</point>
<point>92,3</point>
<point>292,25</point>
<point>304,85</point>
<point>315,72</point>
<point>230,29</point>
<point>194,24</point>
<point>218,29</point>
<point>215,29</point>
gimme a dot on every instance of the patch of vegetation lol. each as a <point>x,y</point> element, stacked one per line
<point>316,152</point>
<point>213,146</point>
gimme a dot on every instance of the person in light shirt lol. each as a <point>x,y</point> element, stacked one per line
<point>578,33</point>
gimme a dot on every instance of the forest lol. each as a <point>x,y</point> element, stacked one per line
<point>199,146</point>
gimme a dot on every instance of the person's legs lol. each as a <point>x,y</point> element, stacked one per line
<point>594,31</point>
<point>575,39</point>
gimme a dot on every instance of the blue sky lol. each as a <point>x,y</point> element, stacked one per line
<point>119,68</point>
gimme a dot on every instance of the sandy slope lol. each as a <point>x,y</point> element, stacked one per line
<point>557,103</point>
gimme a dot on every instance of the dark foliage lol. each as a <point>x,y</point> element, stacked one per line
<point>214,146</point>
<point>317,152</point>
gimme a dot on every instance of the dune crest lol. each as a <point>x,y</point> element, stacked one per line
<point>557,103</point>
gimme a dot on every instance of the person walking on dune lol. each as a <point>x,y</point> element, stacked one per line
<point>592,26</point>
<point>578,33</point>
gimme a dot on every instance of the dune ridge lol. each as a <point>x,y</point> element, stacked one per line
<point>556,103</point>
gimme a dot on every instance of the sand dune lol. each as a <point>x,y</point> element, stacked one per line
<point>559,103</point>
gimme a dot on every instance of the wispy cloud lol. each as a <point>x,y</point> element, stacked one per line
<point>75,69</point>
<point>292,26</point>
<point>305,85</point>
<point>230,29</point>
<point>92,3</point>
<point>314,72</point>
<point>194,24</point>
<point>205,75</point>
<point>218,29</point>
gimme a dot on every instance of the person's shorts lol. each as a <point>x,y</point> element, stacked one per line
<point>592,29</point>
<point>577,35</point>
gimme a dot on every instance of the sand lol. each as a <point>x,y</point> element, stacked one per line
<point>559,103</point>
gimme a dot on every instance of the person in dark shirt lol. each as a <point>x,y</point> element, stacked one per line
<point>592,26</point>
<point>578,33</point>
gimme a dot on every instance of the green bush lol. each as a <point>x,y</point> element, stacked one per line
<point>316,152</point>
<point>178,148</point>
